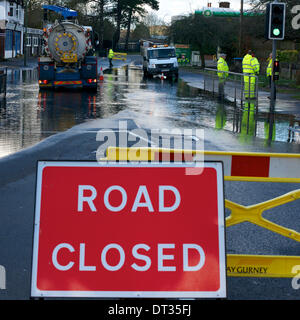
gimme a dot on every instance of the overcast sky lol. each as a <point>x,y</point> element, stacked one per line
<point>168,8</point>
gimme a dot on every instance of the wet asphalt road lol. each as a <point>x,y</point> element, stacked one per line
<point>30,116</point>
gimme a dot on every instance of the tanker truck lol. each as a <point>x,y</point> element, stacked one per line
<point>67,59</point>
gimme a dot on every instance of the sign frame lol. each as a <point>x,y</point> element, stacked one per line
<point>220,293</point>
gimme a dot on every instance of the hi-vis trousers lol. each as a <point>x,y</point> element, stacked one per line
<point>249,85</point>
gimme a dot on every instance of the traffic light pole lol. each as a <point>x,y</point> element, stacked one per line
<point>273,83</point>
<point>273,90</point>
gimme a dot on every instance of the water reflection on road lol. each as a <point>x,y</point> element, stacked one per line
<point>28,115</point>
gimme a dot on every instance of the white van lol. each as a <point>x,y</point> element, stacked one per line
<point>158,60</point>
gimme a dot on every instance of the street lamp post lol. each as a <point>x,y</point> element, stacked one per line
<point>241,28</point>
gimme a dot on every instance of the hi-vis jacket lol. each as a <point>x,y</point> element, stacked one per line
<point>110,54</point>
<point>255,65</point>
<point>250,64</point>
<point>269,68</point>
<point>250,69</point>
<point>222,66</point>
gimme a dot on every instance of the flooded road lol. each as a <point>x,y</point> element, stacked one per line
<point>28,115</point>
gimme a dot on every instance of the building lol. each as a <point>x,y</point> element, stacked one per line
<point>34,41</point>
<point>11,28</point>
<point>12,31</point>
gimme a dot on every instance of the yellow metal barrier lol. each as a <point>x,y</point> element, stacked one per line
<point>267,167</point>
<point>262,266</point>
<point>120,56</point>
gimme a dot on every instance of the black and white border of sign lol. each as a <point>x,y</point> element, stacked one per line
<point>220,293</point>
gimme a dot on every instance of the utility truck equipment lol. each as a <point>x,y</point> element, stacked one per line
<point>158,59</point>
<point>67,59</point>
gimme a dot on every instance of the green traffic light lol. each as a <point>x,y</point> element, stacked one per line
<point>276,32</point>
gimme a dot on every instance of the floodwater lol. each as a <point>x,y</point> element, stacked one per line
<point>28,115</point>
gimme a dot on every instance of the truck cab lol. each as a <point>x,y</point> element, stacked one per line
<point>160,59</point>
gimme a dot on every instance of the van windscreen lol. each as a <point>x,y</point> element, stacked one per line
<point>161,53</point>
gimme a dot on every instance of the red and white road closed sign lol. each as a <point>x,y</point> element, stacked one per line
<point>129,230</point>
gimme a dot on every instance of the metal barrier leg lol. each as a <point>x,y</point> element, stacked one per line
<point>254,213</point>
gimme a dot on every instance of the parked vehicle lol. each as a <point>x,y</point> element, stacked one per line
<point>68,59</point>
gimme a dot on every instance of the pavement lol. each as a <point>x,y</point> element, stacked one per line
<point>19,63</point>
<point>17,190</point>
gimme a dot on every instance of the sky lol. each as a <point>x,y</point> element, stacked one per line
<point>168,8</point>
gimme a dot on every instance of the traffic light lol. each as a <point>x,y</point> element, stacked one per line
<point>276,70</point>
<point>275,23</point>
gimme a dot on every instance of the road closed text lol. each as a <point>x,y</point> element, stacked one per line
<point>88,193</point>
<point>165,257</point>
